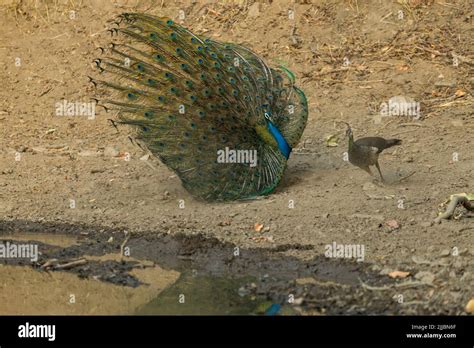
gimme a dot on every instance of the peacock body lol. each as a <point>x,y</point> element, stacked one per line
<point>193,100</point>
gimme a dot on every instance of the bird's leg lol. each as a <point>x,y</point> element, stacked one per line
<point>380,172</point>
<point>367,169</point>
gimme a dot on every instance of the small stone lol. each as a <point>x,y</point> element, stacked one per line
<point>445,253</point>
<point>425,277</point>
<point>392,224</point>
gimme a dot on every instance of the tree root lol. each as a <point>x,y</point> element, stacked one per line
<point>455,201</point>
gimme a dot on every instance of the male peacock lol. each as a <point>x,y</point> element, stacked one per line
<point>192,98</point>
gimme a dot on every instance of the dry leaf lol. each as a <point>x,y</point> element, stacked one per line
<point>258,227</point>
<point>331,140</point>
<point>460,93</point>
<point>470,306</point>
<point>398,274</point>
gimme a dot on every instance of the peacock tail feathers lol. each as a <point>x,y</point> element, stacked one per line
<point>191,98</point>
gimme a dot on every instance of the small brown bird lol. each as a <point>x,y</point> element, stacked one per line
<point>364,152</point>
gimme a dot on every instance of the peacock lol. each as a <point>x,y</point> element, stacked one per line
<point>194,101</point>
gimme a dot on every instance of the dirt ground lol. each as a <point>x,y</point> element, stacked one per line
<point>349,58</point>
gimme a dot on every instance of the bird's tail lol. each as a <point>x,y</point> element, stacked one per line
<point>393,142</point>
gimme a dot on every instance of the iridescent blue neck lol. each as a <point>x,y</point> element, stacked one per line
<point>282,144</point>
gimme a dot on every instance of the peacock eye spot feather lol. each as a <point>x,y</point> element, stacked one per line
<point>159,57</point>
<point>201,114</point>
<point>161,99</point>
<point>168,75</point>
<point>200,61</point>
<point>145,129</point>
<point>204,137</point>
<point>193,125</point>
<point>149,114</point>
<point>235,93</point>
<point>228,47</point>
<point>140,67</point>
<point>131,96</point>
<point>193,40</point>
<point>161,144</point>
<point>232,80</point>
<point>171,117</point>
<point>220,90</point>
<point>212,129</point>
<point>207,40</point>
<point>179,50</point>
<point>169,22</point>
<point>199,48</point>
<point>187,134</point>
<point>173,36</point>
<point>217,66</point>
<point>213,55</point>
<point>193,97</point>
<point>174,90</point>
<point>153,36</point>
<point>189,83</point>
<point>202,77</point>
<point>231,69</point>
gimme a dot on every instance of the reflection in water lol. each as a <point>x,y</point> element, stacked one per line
<point>207,295</point>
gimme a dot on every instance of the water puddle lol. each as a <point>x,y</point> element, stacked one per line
<point>81,270</point>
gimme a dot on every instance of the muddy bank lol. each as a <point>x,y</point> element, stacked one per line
<point>265,275</point>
